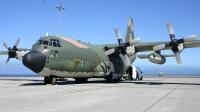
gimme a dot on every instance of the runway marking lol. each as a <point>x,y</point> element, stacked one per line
<point>166,95</point>
<point>121,85</point>
<point>78,90</point>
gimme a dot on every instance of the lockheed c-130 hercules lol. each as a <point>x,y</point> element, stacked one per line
<point>59,57</point>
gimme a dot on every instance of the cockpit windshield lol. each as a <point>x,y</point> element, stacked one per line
<point>38,42</point>
<point>45,42</point>
<point>54,43</point>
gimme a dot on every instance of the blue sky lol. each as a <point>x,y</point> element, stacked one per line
<point>94,21</point>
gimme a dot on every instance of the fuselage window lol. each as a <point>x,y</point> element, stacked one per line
<point>54,54</point>
<point>38,42</point>
<point>45,42</point>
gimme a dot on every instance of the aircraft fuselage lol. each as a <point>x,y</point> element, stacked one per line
<point>65,57</point>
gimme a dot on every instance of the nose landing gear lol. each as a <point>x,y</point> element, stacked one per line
<point>50,80</point>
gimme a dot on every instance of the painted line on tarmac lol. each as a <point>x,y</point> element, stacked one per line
<point>78,90</point>
<point>121,85</point>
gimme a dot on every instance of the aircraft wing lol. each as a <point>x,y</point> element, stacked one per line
<point>148,46</point>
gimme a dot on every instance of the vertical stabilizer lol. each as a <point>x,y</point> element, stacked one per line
<point>129,31</point>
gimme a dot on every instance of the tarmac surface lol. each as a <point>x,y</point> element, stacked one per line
<point>153,94</point>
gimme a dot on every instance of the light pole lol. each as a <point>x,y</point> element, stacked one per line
<point>59,21</point>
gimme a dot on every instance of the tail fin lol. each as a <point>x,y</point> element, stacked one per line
<point>129,31</point>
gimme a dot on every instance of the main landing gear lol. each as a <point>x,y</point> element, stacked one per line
<point>110,80</point>
<point>50,80</point>
<point>81,80</point>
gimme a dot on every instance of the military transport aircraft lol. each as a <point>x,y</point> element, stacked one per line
<point>59,57</point>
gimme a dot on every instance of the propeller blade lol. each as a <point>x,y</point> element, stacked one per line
<point>126,59</point>
<point>110,51</point>
<point>3,52</point>
<point>17,42</point>
<point>178,57</point>
<point>5,45</point>
<point>190,38</point>
<point>170,28</point>
<point>135,41</point>
<point>18,57</point>
<point>159,47</point>
<point>117,33</point>
<point>6,63</point>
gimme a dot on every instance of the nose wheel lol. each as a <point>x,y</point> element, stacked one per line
<point>50,80</point>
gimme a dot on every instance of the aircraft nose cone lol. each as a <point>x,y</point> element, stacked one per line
<point>35,61</point>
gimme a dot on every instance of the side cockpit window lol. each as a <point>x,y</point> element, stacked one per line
<point>54,43</point>
<point>38,42</point>
<point>53,53</point>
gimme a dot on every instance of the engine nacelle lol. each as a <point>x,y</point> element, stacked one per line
<point>130,50</point>
<point>156,58</point>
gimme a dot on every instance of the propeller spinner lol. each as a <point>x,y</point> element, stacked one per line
<point>174,42</point>
<point>122,47</point>
<point>12,51</point>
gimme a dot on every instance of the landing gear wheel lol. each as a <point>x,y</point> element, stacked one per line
<point>109,78</point>
<point>46,80</point>
<point>141,78</point>
<point>52,80</point>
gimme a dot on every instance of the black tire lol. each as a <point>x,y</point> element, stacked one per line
<point>141,78</point>
<point>52,80</point>
<point>46,80</point>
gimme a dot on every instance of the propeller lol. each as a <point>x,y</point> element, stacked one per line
<point>174,43</point>
<point>122,47</point>
<point>12,51</point>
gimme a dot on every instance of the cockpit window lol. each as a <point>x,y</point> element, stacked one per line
<point>59,45</point>
<point>54,43</point>
<point>38,42</point>
<point>50,43</point>
<point>45,42</point>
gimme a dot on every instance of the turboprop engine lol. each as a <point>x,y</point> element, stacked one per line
<point>130,50</point>
<point>156,58</point>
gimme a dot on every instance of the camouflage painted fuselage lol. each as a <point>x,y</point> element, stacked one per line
<point>69,58</point>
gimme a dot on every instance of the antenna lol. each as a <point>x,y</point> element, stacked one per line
<point>59,21</point>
